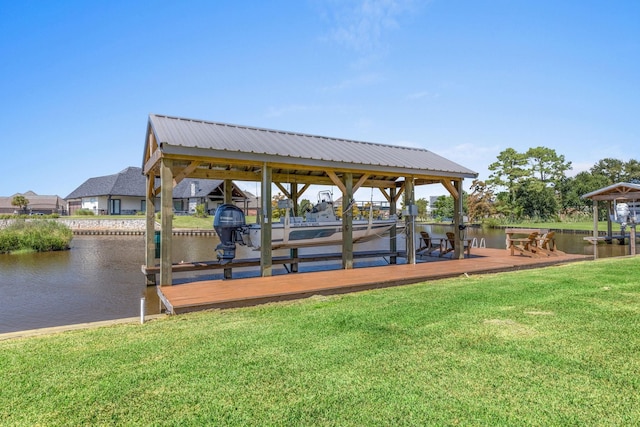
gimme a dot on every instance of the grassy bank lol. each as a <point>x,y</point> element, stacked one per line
<point>34,235</point>
<point>553,346</point>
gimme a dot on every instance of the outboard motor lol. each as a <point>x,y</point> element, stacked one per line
<point>622,213</point>
<point>228,222</point>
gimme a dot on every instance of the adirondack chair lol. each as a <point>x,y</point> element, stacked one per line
<point>547,244</point>
<point>526,246</point>
<point>428,245</point>
<point>449,244</point>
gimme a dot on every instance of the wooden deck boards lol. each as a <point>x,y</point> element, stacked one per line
<point>258,290</point>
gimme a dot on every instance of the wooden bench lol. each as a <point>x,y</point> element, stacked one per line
<point>523,240</point>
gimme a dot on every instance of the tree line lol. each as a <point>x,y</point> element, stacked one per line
<point>534,185</point>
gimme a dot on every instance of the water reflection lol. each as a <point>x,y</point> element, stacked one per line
<point>100,278</point>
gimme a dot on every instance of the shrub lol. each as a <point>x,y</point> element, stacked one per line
<point>84,211</point>
<point>201,211</point>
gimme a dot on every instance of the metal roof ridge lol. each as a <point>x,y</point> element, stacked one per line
<point>255,128</point>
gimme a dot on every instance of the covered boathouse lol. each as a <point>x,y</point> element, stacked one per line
<point>616,195</point>
<point>178,148</point>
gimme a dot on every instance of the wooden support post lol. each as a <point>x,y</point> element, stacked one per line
<point>609,223</point>
<point>393,243</point>
<point>228,198</point>
<point>228,191</point>
<point>458,222</point>
<point>595,229</point>
<point>150,230</point>
<point>409,200</point>
<point>266,259</point>
<point>294,199</point>
<point>347,222</point>
<point>166,221</point>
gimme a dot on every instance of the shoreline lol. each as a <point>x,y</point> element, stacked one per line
<point>27,333</point>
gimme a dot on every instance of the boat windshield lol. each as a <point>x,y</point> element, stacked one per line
<point>324,196</point>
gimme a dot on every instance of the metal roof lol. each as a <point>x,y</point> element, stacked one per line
<point>619,191</point>
<point>188,137</point>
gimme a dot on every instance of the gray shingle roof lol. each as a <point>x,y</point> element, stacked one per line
<point>128,182</point>
<point>191,136</point>
<point>131,182</point>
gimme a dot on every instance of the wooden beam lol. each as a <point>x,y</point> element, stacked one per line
<point>347,222</point>
<point>387,196</point>
<point>152,161</point>
<point>219,169</point>
<point>361,181</point>
<point>393,237</point>
<point>305,187</point>
<point>409,199</point>
<point>185,172</point>
<point>450,188</point>
<point>266,260</point>
<point>150,231</point>
<point>299,173</point>
<point>228,191</point>
<point>337,181</point>
<point>166,218</point>
<point>458,222</point>
<point>400,193</point>
<point>285,192</point>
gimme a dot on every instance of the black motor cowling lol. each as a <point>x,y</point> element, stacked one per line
<point>228,222</point>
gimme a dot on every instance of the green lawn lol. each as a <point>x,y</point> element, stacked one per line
<point>582,225</point>
<point>555,346</point>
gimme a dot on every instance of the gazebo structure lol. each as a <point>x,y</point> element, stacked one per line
<point>615,194</point>
<point>179,148</point>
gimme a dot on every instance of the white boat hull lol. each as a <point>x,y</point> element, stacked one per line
<point>301,235</point>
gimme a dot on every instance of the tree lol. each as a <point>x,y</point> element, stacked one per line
<point>480,201</point>
<point>537,200</point>
<point>509,172</point>
<point>445,207</point>
<point>632,171</point>
<point>278,212</point>
<point>422,204</point>
<point>20,201</point>
<point>547,165</point>
<point>574,188</point>
<point>304,206</point>
<point>612,169</point>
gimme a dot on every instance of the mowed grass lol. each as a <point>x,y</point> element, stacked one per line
<point>554,346</point>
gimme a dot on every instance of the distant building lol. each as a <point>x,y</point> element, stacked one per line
<point>124,193</point>
<point>38,204</point>
<point>432,204</point>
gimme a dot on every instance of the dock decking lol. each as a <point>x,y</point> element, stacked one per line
<point>210,294</point>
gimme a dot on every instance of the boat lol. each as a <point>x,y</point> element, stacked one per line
<point>319,227</point>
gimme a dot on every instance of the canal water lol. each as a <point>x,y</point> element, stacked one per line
<point>99,278</point>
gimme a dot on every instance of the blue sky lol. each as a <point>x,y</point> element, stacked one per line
<point>463,78</point>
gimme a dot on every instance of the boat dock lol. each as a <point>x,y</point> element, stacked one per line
<point>621,239</point>
<point>216,294</point>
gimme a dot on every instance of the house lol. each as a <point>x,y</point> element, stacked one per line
<point>124,194</point>
<point>191,192</point>
<point>37,204</point>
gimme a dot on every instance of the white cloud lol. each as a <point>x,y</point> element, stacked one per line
<point>358,81</point>
<point>286,110</point>
<point>420,95</point>
<point>361,26</point>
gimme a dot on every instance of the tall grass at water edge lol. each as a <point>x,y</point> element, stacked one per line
<point>35,235</point>
<point>553,346</point>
